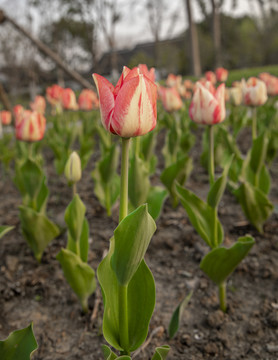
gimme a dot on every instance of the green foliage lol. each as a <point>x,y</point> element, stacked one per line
<point>4,230</point>
<point>177,315</point>
<point>19,345</point>
<point>219,263</point>
<point>161,352</point>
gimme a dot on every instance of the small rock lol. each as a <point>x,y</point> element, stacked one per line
<point>254,326</point>
<point>11,262</point>
<point>273,319</point>
<point>272,348</point>
<point>186,339</point>
<point>216,318</point>
<point>211,348</point>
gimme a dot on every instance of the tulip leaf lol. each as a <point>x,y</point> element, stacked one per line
<point>132,238</point>
<point>5,229</point>
<point>108,165</point>
<point>42,197</point>
<point>140,303</point>
<point>201,216</point>
<point>31,176</point>
<point>255,204</point>
<point>161,352</point>
<point>79,275</point>
<point>216,192</point>
<point>108,353</point>
<point>37,229</point>
<point>147,145</point>
<point>19,345</point>
<point>258,153</point>
<point>74,217</point>
<point>138,181</point>
<point>177,315</point>
<point>155,200</point>
<point>84,241</point>
<point>219,263</point>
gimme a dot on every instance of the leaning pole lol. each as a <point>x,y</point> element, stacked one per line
<point>47,51</point>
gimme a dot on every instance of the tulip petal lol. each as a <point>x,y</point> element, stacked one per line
<point>106,100</point>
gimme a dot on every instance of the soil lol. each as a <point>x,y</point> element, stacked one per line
<point>38,292</point>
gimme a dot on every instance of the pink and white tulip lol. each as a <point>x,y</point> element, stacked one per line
<point>148,73</point>
<point>210,76</point>
<point>170,98</point>
<point>254,92</point>
<point>31,126</point>
<point>88,100</point>
<point>208,107</point>
<point>38,104</point>
<point>221,74</point>
<point>235,95</point>
<point>5,117</point>
<point>129,108</point>
<point>69,99</point>
<point>271,83</point>
<point>54,94</point>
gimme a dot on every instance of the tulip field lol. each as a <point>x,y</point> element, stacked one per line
<point>140,220</point>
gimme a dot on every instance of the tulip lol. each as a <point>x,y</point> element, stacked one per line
<point>208,107</point>
<point>69,99</point>
<point>235,96</point>
<point>129,108</point>
<point>5,117</point>
<point>221,74</point>
<point>170,98</point>
<point>73,168</point>
<point>172,80</point>
<point>254,92</point>
<point>39,104</point>
<point>210,76</point>
<point>148,73</point>
<point>271,83</point>
<point>18,111</point>
<point>31,126</point>
<point>54,94</point>
<point>88,100</point>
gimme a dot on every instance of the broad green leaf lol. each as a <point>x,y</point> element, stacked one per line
<point>132,238</point>
<point>148,142</point>
<point>138,181</point>
<point>42,197</point>
<point>74,217</point>
<point>79,275</point>
<point>37,229</point>
<point>161,352</point>
<point>108,165</point>
<point>31,177</point>
<point>140,303</point>
<point>258,153</point>
<point>5,229</point>
<point>219,263</point>
<point>216,191</point>
<point>84,241</point>
<point>177,315</point>
<point>264,180</point>
<point>19,345</point>
<point>201,216</point>
<point>255,204</point>
<point>108,353</point>
<point>155,200</point>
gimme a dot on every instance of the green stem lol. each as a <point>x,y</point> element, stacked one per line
<point>30,150</point>
<point>84,304</point>
<point>124,180</point>
<point>73,189</point>
<point>222,296</point>
<point>211,155</point>
<point>137,145</point>
<point>107,199</point>
<point>254,124</point>
<point>215,228</point>
<point>123,319</point>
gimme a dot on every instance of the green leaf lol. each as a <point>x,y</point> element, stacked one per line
<point>132,238</point>
<point>219,263</point>
<point>37,229</point>
<point>140,303</point>
<point>79,275</point>
<point>155,200</point>
<point>258,153</point>
<point>138,181</point>
<point>42,197</point>
<point>264,180</point>
<point>161,352</point>
<point>19,345</point>
<point>255,204</point>
<point>5,229</point>
<point>201,216</point>
<point>108,353</point>
<point>216,191</point>
<point>177,315</point>
<point>74,217</point>
<point>108,165</point>
<point>84,241</point>
<point>148,142</point>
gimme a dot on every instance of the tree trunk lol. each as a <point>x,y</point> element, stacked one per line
<point>216,33</point>
<point>195,54</point>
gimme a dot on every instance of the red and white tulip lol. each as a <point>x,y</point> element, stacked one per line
<point>54,94</point>
<point>271,83</point>
<point>254,92</point>
<point>208,107</point>
<point>5,117</point>
<point>129,108</point>
<point>88,100</point>
<point>210,76</point>
<point>69,99</point>
<point>170,98</point>
<point>38,104</point>
<point>148,73</point>
<point>31,126</point>
<point>221,74</point>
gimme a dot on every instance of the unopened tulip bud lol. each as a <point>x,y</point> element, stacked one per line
<point>73,171</point>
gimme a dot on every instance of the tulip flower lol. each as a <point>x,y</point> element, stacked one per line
<point>170,98</point>
<point>271,83</point>
<point>39,104</point>
<point>129,108</point>
<point>235,96</point>
<point>254,92</point>
<point>54,94</point>
<point>69,99</point>
<point>18,111</point>
<point>207,107</point>
<point>148,73</point>
<point>5,117</point>
<point>73,170</point>
<point>88,100</point>
<point>221,74</point>
<point>210,76</point>
<point>31,126</point>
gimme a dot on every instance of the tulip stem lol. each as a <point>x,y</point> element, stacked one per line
<point>254,124</point>
<point>73,189</point>
<point>222,296</point>
<point>123,319</point>
<point>211,155</point>
<point>30,150</point>
<point>124,179</point>
<point>137,146</point>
